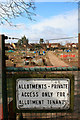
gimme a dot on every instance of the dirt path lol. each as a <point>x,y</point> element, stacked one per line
<point>55,61</point>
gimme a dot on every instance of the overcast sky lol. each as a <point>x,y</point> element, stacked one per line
<point>53,20</point>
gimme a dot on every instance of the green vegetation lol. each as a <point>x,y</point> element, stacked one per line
<point>22,41</point>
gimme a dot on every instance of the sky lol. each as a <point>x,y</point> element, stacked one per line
<point>53,20</point>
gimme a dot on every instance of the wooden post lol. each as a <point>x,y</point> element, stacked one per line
<point>1,117</point>
<point>4,83</point>
<point>79,50</point>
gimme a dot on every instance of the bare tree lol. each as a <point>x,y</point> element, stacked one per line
<point>15,8</point>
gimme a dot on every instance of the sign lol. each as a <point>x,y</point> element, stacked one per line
<point>39,94</point>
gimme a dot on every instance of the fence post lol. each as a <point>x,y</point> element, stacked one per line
<point>79,50</point>
<point>1,111</point>
<point>4,83</point>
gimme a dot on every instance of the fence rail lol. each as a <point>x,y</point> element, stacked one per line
<point>48,68</point>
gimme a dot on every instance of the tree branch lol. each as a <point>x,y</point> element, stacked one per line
<point>14,9</point>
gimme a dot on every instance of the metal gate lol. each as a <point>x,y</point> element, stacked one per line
<point>7,94</point>
<point>74,115</point>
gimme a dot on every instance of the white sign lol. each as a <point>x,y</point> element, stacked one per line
<point>43,94</point>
